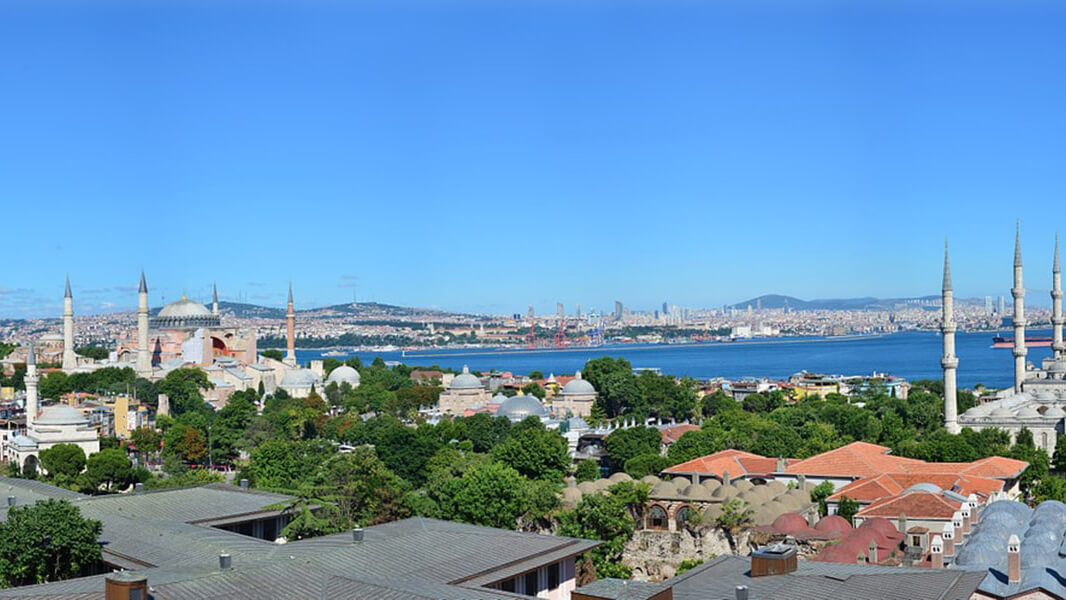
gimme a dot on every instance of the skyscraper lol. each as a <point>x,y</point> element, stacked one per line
<point>617,310</point>
<point>988,305</point>
<point>666,309</point>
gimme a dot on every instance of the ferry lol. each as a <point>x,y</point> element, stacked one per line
<point>335,353</point>
<point>1000,341</point>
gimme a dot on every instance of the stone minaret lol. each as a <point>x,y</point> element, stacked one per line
<point>290,332</point>
<point>70,362</point>
<point>31,387</point>
<point>144,358</point>
<point>1056,305</point>
<point>1018,292</point>
<point>949,362</point>
<point>214,300</point>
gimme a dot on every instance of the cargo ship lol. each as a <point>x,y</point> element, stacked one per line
<point>1030,342</point>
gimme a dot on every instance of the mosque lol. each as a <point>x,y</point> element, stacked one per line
<point>1038,397</point>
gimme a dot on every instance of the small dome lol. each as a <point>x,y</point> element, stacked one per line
<point>587,487</point>
<point>711,484</point>
<point>696,492</point>
<point>712,512</point>
<point>184,308</point>
<point>465,381</point>
<point>664,489</point>
<point>790,523</point>
<point>499,398</point>
<point>1054,412</point>
<point>517,408</point>
<point>743,484</point>
<point>833,523</point>
<point>344,374</point>
<point>578,386</point>
<point>620,476</point>
<point>1001,412</point>
<point>725,491</point>
<point>1028,412</point>
<point>61,414</point>
<point>1057,367</point>
<point>650,480</point>
<point>571,496</point>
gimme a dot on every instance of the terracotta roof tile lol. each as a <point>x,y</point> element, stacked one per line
<point>674,432</point>
<point>916,505</point>
<point>737,462</point>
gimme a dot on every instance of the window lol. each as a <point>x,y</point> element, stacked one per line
<point>657,518</point>
<point>553,576</point>
<point>916,540</point>
<point>531,583</point>
<point>508,586</point>
<point>683,515</point>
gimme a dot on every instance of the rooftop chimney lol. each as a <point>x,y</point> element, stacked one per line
<point>872,552</point>
<point>782,464</point>
<point>936,552</point>
<point>802,481</point>
<point>1014,560</point>
<point>225,561</point>
<point>138,487</point>
<point>974,503</point>
<point>742,592</point>
<point>949,540</point>
<point>861,558</point>
<point>244,484</point>
<point>725,477</point>
<point>965,519</point>
<point>903,523</point>
<point>777,559</point>
<point>121,585</point>
<point>357,534</point>
<point>11,501</point>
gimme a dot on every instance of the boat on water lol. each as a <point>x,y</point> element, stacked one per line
<point>336,353</point>
<point>1000,341</point>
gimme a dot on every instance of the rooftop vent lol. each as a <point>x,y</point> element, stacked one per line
<point>138,487</point>
<point>225,561</point>
<point>777,559</point>
<point>742,592</point>
<point>244,484</point>
<point>11,501</point>
<point>357,534</point>
<point>125,585</point>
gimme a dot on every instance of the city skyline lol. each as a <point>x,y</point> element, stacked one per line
<point>697,154</point>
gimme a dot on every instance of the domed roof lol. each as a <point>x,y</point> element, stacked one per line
<point>620,476</point>
<point>299,378</point>
<point>1001,412</point>
<point>465,381</point>
<point>833,523</point>
<point>499,398</point>
<point>743,484</point>
<point>1028,412</point>
<point>724,491</point>
<point>343,374</point>
<point>61,414</point>
<point>578,386</point>
<point>517,408</point>
<point>184,308</point>
<point>571,496</point>
<point>696,492</point>
<point>587,487</point>
<point>790,523</point>
<point>663,489</point>
<point>1054,412</point>
<point>650,479</point>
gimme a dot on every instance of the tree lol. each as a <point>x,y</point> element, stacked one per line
<point>364,490</point>
<point>47,541</point>
<point>736,514</point>
<point>533,389</point>
<point>536,375</point>
<point>587,470</point>
<point>110,468</point>
<point>693,444</point>
<point>847,508</point>
<point>820,493</point>
<point>273,353</point>
<point>646,464</point>
<point>1059,460</point>
<point>183,387</point>
<point>284,464</point>
<point>63,462</point>
<point>93,352</point>
<point>535,452</point>
<point>491,494</point>
<point>608,518</point>
<point>625,444</point>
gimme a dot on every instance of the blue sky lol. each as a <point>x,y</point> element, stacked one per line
<point>484,156</point>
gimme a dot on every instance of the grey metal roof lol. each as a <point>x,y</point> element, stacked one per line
<point>622,589</point>
<point>717,580</point>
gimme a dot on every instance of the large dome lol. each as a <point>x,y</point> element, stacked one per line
<point>578,386</point>
<point>465,381</point>
<point>61,414</point>
<point>344,374</point>
<point>518,408</point>
<point>184,314</point>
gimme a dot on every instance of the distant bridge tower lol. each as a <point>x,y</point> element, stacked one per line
<point>560,335</point>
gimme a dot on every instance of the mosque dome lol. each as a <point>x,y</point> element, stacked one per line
<point>344,374</point>
<point>1028,412</point>
<point>499,398</point>
<point>578,386</point>
<point>517,408</point>
<point>1001,412</point>
<point>465,381</point>
<point>1054,412</point>
<point>184,314</point>
<point>61,414</point>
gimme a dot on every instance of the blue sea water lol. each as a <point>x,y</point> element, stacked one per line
<point>912,355</point>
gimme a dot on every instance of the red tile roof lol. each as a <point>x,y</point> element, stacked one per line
<point>915,504</point>
<point>674,432</point>
<point>857,459</point>
<point>889,484</point>
<point>737,462</point>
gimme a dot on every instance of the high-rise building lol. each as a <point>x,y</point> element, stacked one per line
<point>1002,306</point>
<point>559,309</point>
<point>617,310</point>
<point>988,305</point>
<point>577,309</point>
<point>666,309</point>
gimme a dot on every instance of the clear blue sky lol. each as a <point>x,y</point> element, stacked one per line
<point>484,156</point>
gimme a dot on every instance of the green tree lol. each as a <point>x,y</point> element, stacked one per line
<point>533,389</point>
<point>63,462</point>
<point>820,493</point>
<point>587,470</point>
<point>363,489</point>
<point>183,387</point>
<point>491,494</point>
<point>625,444</point>
<point>535,452</point>
<point>93,352</point>
<point>646,464</point>
<point>109,468</point>
<point>273,353</point>
<point>609,518</point>
<point>47,541</point>
<point>736,515</point>
<point>284,464</point>
<point>847,508</point>
<point>1059,460</point>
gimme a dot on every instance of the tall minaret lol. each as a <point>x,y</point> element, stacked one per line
<point>70,362</point>
<point>31,387</point>
<point>290,332</point>
<point>144,359</point>
<point>1056,305</point>
<point>214,300</point>
<point>949,362</point>
<point>1018,292</point>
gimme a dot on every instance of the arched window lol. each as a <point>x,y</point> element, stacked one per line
<point>1043,441</point>
<point>683,516</point>
<point>657,518</point>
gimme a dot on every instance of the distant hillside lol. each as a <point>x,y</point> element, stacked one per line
<point>360,309</point>
<point>777,301</point>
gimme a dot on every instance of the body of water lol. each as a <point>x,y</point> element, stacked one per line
<point>912,355</point>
